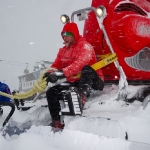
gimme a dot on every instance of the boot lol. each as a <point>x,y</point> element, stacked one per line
<point>85,89</point>
<point>57,126</point>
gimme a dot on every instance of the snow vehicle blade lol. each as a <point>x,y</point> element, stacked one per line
<point>122,129</point>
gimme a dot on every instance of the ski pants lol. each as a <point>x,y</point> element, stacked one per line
<point>54,94</point>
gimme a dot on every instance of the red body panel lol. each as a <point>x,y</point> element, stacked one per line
<point>128,27</point>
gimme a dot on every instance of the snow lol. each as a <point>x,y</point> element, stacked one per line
<point>104,126</point>
<point>106,123</point>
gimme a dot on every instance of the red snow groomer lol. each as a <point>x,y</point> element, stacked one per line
<point>119,31</point>
<point>127,24</point>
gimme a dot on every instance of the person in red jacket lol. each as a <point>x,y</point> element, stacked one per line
<point>76,56</point>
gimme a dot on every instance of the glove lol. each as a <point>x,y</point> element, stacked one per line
<point>53,77</point>
<point>47,73</point>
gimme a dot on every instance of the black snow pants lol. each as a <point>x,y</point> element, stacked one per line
<point>54,94</point>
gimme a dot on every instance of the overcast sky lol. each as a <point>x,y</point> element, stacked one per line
<point>30,32</point>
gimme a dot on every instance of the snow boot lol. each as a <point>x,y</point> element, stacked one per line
<point>85,89</point>
<point>57,126</point>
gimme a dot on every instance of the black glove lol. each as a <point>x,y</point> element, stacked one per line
<point>53,77</point>
<point>46,75</point>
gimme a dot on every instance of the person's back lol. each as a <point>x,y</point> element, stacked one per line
<point>5,89</point>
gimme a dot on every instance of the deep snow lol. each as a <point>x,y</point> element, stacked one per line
<point>84,133</point>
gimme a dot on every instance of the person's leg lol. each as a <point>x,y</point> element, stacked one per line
<point>97,84</point>
<point>85,82</point>
<point>54,94</point>
<point>89,79</point>
<point>86,76</point>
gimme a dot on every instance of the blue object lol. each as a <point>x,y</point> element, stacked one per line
<point>5,89</point>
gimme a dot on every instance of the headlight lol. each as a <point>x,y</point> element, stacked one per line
<point>64,19</point>
<point>100,11</point>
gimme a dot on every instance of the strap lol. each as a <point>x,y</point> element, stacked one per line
<point>108,59</point>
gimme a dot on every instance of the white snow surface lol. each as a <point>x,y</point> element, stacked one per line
<point>84,133</point>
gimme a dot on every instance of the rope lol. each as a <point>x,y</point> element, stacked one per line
<point>107,59</point>
<point>41,84</point>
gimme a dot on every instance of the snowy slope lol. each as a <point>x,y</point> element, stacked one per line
<point>85,132</point>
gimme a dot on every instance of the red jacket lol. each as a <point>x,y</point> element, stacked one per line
<point>72,59</point>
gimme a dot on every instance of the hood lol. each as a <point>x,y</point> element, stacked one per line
<point>73,28</point>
